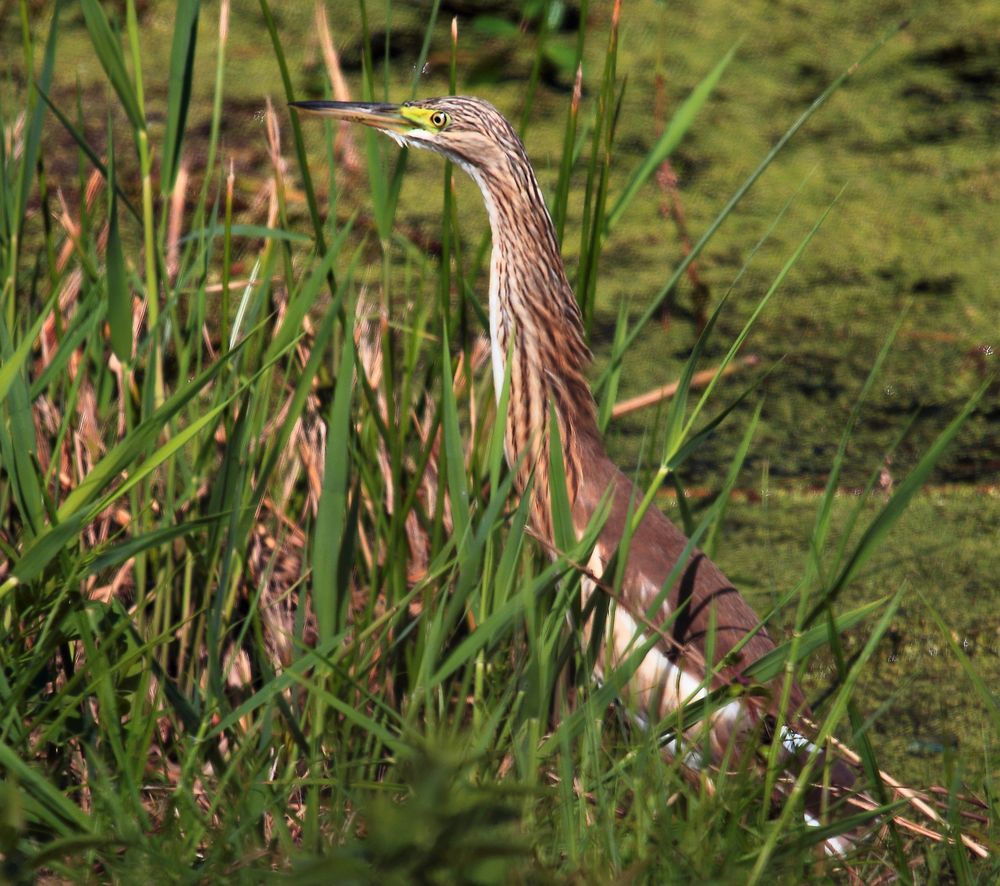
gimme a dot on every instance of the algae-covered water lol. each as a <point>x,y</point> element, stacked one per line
<point>906,152</point>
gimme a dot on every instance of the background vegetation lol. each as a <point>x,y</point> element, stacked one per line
<point>266,607</point>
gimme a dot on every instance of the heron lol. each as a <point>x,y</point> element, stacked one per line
<point>706,632</point>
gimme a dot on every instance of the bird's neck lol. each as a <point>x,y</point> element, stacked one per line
<point>535,323</point>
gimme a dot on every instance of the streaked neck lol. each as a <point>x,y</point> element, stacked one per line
<point>535,319</point>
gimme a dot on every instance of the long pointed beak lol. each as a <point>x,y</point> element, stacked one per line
<point>381,116</point>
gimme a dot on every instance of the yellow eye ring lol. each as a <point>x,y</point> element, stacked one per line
<point>439,119</point>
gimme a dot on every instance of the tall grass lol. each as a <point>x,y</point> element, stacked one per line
<point>266,601</point>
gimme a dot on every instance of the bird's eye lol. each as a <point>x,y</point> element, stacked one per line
<point>439,119</point>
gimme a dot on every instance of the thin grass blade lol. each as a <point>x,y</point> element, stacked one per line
<point>330,586</point>
<point>112,59</point>
<point>894,508</point>
<point>119,312</point>
<point>179,88</point>
<point>669,140</point>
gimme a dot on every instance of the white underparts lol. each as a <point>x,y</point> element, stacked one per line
<point>497,309</point>
<point>659,686</point>
<point>832,845</point>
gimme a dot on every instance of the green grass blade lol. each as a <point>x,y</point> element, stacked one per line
<point>305,298</point>
<point>609,394</point>
<point>669,140</point>
<point>119,311</point>
<point>18,447</point>
<point>48,801</point>
<point>331,573</point>
<point>835,715</point>
<point>47,545</point>
<point>735,466</point>
<point>112,59</point>
<point>562,517</point>
<point>990,698</point>
<point>894,508</point>
<point>91,154</point>
<point>43,549</point>
<point>277,685</point>
<point>737,343</point>
<point>300,150</point>
<point>772,665</point>
<point>131,447</point>
<point>179,88</point>
<point>34,135</point>
<point>114,555</point>
<point>425,46</point>
<point>821,526</point>
<point>252,232</point>
<point>458,487</point>
<point>12,365</point>
<point>470,575</point>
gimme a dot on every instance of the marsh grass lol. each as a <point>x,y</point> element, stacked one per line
<point>267,604</point>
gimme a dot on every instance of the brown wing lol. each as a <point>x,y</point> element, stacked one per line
<point>701,589</point>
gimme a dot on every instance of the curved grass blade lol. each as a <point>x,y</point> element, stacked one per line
<point>990,699</point>
<point>330,587</point>
<point>115,555</point>
<point>34,133</point>
<point>179,88</point>
<point>46,801</point>
<point>11,365</point>
<point>669,140</point>
<point>300,148</point>
<point>92,156</point>
<point>112,59</point>
<point>894,508</point>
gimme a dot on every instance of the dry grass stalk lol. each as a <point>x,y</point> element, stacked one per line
<point>175,219</point>
<point>344,145</point>
<point>665,392</point>
<point>13,137</point>
<point>276,190</point>
<point>917,800</point>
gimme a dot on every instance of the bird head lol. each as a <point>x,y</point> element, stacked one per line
<point>469,131</point>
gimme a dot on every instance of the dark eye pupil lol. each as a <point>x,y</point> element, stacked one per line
<point>438,119</point>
